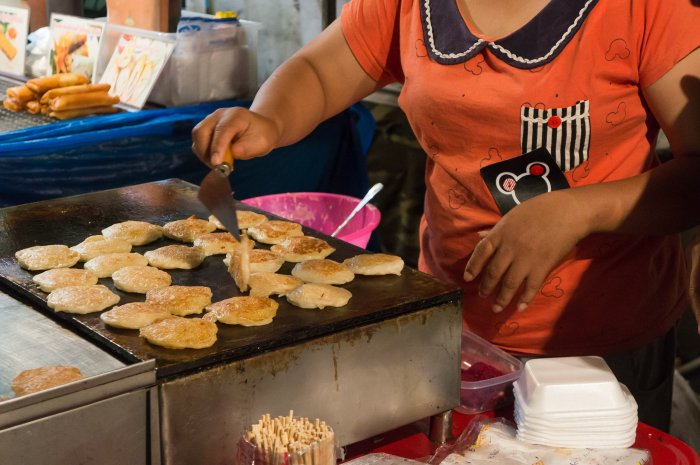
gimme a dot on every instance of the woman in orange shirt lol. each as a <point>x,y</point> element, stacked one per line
<point>545,200</point>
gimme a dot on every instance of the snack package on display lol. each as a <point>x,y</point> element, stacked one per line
<point>134,67</point>
<point>489,441</point>
<point>14,23</point>
<point>214,59</point>
<point>75,45</point>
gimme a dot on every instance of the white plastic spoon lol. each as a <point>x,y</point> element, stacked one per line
<point>368,196</point>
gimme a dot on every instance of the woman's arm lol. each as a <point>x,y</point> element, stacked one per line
<point>319,81</point>
<point>694,287</point>
<point>529,241</point>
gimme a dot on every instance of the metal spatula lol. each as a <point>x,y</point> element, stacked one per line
<point>216,194</point>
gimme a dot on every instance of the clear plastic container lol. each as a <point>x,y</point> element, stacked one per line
<point>494,392</point>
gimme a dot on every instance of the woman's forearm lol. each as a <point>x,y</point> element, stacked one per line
<point>660,201</point>
<point>319,81</point>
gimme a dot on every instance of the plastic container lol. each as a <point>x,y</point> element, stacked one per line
<point>323,212</point>
<point>570,384</point>
<point>202,68</point>
<point>494,392</point>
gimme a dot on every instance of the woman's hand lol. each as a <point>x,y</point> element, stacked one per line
<point>249,135</point>
<point>694,288</point>
<point>525,245</point>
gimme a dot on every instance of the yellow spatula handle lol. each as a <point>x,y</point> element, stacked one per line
<point>227,166</point>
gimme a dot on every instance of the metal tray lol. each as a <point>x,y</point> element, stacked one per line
<point>10,120</point>
<point>69,220</point>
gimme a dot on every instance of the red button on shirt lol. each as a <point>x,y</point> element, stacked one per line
<point>554,122</point>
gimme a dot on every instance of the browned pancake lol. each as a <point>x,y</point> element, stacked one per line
<point>298,249</point>
<point>323,271</point>
<point>375,264</point>
<point>134,315</point>
<point>181,300</point>
<point>104,266</point>
<point>188,230</point>
<point>135,232</point>
<point>275,231</point>
<point>181,333</point>
<point>46,257</point>
<point>319,296</point>
<point>140,279</point>
<point>50,280</point>
<point>244,311</point>
<point>245,218</point>
<point>39,379</point>
<point>175,257</point>
<point>94,246</point>
<point>218,243</point>
<point>239,264</point>
<point>265,284</point>
<point>82,299</point>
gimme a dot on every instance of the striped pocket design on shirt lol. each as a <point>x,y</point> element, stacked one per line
<point>564,132</point>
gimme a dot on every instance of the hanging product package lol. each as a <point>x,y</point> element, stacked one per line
<point>214,59</point>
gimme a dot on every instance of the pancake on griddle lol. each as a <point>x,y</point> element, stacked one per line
<point>94,246</point>
<point>134,315</point>
<point>104,266</point>
<point>244,311</point>
<point>46,257</point>
<point>245,218</point>
<point>135,232</point>
<point>188,230</point>
<point>39,379</point>
<point>140,279</point>
<point>219,243</point>
<point>261,260</point>
<point>181,333</point>
<point>274,231</point>
<point>181,300</point>
<point>172,257</point>
<point>312,295</point>
<point>375,264</point>
<point>238,264</point>
<point>298,249</point>
<point>82,299</point>
<point>265,284</point>
<point>62,277</point>
<point>323,271</point>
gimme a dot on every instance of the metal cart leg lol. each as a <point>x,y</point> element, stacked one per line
<point>441,427</point>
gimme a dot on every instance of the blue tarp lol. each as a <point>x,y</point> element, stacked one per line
<point>104,152</point>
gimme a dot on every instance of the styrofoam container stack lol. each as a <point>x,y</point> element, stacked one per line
<point>574,402</point>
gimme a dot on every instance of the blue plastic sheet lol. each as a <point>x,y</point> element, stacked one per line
<point>104,152</point>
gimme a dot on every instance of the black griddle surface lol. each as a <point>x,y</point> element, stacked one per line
<point>70,220</point>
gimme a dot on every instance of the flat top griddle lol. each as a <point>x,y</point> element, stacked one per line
<point>70,220</point>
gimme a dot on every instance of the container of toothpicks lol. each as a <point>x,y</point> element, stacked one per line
<point>287,441</point>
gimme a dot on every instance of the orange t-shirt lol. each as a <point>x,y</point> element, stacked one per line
<point>473,101</point>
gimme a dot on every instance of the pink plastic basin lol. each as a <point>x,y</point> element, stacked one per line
<point>323,212</point>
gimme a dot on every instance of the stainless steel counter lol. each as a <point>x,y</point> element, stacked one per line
<point>29,339</point>
<point>104,418</point>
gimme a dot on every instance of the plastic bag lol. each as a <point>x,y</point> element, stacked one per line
<point>488,441</point>
<point>382,459</point>
<point>212,60</point>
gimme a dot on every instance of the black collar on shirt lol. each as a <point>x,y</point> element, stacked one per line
<point>449,40</point>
